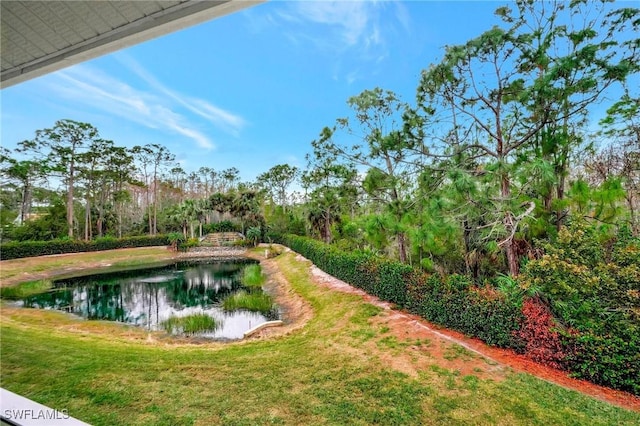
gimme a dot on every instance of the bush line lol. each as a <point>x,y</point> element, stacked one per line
<point>17,250</point>
<point>483,312</point>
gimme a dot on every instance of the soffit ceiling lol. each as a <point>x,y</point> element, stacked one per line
<point>39,37</point>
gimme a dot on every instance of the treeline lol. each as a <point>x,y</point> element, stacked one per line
<point>69,182</point>
<point>497,152</point>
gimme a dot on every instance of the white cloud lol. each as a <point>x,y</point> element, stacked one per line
<point>350,19</point>
<point>153,105</point>
<point>225,120</point>
<point>402,15</point>
<point>352,76</point>
<point>341,28</point>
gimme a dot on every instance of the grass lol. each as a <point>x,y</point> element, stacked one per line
<point>251,301</point>
<point>252,276</point>
<point>190,324</point>
<point>458,352</point>
<point>107,374</point>
<point>25,289</point>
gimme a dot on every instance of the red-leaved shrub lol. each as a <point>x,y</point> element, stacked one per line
<point>538,332</point>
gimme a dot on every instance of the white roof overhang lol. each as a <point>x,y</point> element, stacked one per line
<point>39,37</point>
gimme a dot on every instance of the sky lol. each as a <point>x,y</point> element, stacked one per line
<point>252,89</point>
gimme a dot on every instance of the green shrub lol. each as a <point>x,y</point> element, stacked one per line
<point>186,245</point>
<point>592,281</point>
<point>253,235</point>
<point>591,284</point>
<point>250,301</point>
<point>190,324</point>
<point>609,360</point>
<point>483,313</point>
<point>252,276</point>
<point>175,239</point>
<point>242,243</point>
<point>224,226</point>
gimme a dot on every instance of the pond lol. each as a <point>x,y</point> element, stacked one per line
<point>182,298</point>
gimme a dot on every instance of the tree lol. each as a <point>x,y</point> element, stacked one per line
<point>220,202</point>
<point>175,238</point>
<point>206,174</point>
<point>384,149</point>
<point>62,145</point>
<point>330,186</point>
<point>576,59</point>
<point>230,178</point>
<point>26,173</point>
<point>620,158</point>
<point>180,213</point>
<point>246,207</point>
<point>276,181</point>
<point>92,169</point>
<point>118,173</point>
<point>509,90</point>
<point>253,234</point>
<point>153,158</point>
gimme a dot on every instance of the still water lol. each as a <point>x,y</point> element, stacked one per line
<point>148,297</point>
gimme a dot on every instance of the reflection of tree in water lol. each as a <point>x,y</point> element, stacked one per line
<point>59,300</point>
<point>92,302</point>
<point>141,297</point>
<point>199,287</point>
<point>103,302</point>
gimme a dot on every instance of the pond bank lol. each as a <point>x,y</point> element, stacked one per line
<point>16,271</point>
<point>294,309</point>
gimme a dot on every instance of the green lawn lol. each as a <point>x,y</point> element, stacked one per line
<point>332,371</point>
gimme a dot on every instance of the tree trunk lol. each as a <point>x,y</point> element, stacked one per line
<point>509,222</point>
<point>70,200</point>
<point>512,258</point>
<point>100,222</point>
<point>327,227</point>
<point>635,228</point>
<point>120,222</point>
<point>149,218</point>
<point>26,203</point>
<point>155,202</point>
<point>87,220</point>
<point>402,249</point>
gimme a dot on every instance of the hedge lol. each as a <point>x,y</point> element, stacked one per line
<point>451,304</point>
<point>612,360</point>
<point>16,250</point>
<point>609,360</point>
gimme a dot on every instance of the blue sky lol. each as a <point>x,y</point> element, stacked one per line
<point>251,89</point>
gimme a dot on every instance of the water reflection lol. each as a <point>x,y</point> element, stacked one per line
<point>148,297</point>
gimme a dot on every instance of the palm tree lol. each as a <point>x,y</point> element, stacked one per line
<point>180,215</point>
<point>191,211</point>
<point>245,206</point>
